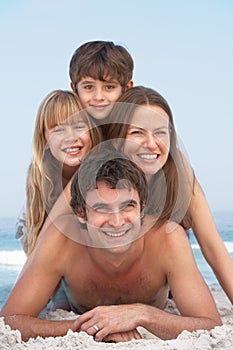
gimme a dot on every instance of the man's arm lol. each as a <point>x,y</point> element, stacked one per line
<point>191,294</point>
<point>41,274</point>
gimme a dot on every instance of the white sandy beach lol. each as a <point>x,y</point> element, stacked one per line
<point>218,338</point>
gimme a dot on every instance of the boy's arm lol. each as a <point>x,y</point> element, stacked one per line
<point>210,241</point>
<point>41,274</point>
<point>191,294</point>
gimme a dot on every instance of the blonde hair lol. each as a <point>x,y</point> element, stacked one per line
<point>44,183</point>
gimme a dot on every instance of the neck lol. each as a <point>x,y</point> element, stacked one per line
<point>67,173</point>
<point>118,260</point>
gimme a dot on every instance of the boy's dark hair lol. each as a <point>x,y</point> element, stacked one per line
<point>108,166</point>
<point>101,60</point>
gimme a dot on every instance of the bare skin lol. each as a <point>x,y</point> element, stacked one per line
<point>203,226</point>
<point>210,241</point>
<point>121,291</point>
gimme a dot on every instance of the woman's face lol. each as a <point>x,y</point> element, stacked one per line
<point>69,142</point>
<point>148,139</point>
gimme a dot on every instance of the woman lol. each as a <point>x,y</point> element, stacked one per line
<point>141,125</point>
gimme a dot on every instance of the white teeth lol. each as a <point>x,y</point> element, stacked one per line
<point>115,234</point>
<point>70,150</point>
<point>148,156</point>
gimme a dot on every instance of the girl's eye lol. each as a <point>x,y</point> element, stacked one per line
<point>58,129</point>
<point>80,126</point>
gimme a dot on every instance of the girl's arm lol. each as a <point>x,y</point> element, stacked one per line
<point>211,243</point>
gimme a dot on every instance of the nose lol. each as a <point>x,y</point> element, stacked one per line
<point>116,219</point>
<point>150,141</point>
<point>71,134</point>
<point>99,94</point>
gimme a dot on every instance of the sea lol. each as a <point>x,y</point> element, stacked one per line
<point>12,256</point>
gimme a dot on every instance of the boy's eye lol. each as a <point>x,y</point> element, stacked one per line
<point>110,87</point>
<point>88,87</point>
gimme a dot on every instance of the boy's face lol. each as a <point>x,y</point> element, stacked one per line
<point>113,217</point>
<point>98,96</point>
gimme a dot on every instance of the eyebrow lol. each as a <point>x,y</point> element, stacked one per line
<point>100,205</point>
<point>138,127</point>
<point>113,81</point>
<point>87,82</point>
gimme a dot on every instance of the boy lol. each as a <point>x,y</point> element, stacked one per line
<point>100,72</point>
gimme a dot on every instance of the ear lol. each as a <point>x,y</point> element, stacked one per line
<point>129,85</point>
<point>73,87</point>
<point>142,214</point>
<point>81,217</point>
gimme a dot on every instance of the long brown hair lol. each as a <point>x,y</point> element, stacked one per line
<point>171,188</point>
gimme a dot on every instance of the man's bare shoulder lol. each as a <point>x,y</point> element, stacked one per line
<point>170,236</point>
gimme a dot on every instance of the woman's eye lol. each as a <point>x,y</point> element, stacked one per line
<point>160,133</point>
<point>136,132</point>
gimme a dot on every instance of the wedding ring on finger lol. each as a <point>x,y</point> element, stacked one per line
<point>96,328</point>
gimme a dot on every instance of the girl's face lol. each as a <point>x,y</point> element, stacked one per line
<point>69,142</point>
<point>148,139</point>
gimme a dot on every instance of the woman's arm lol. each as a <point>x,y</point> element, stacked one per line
<point>210,241</point>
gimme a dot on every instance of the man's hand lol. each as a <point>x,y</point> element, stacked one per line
<point>122,337</point>
<point>111,323</point>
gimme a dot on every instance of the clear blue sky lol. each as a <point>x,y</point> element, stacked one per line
<point>183,49</point>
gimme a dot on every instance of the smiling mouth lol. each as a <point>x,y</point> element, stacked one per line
<point>72,149</point>
<point>115,234</point>
<point>148,156</point>
<point>99,106</point>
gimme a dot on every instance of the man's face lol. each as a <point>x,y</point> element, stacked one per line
<point>98,96</point>
<point>113,217</point>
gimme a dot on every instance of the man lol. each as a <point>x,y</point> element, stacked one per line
<point>120,279</point>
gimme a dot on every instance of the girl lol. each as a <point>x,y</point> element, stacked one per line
<point>63,135</point>
<point>142,126</point>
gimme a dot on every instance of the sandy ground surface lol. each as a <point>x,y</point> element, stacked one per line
<point>218,338</point>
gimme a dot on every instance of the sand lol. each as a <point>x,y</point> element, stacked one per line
<point>218,338</point>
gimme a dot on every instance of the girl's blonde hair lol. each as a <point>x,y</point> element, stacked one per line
<point>44,183</point>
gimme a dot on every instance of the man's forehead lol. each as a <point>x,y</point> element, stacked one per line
<point>105,194</point>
